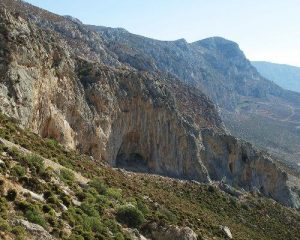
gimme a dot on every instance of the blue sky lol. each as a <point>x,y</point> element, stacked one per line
<point>265,29</point>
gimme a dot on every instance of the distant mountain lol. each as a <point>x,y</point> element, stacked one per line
<point>285,76</point>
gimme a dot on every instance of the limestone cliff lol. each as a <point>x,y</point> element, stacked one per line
<point>60,80</point>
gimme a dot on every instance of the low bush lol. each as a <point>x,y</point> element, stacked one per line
<point>89,209</point>
<point>3,207</point>
<point>67,176</point>
<point>18,171</point>
<point>11,195</point>
<point>35,163</point>
<point>4,226</point>
<point>34,215</point>
<point>99,185</point>
<point>19,232</point>
<point>130,215</point>
<point>33,184</point>
<point>114,193</point>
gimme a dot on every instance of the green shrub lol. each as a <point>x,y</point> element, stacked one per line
<point>34,215</point>
<point>47,174</point>
<point>73,216</point>
<point>114,193</point>
<point>142,206</point>
<point>130,216</point>
<point>15,153</point>
<point>3,207</point>
<point>119,236</point>
<point>67,201</point>
<point>89,209</point>
<point>74,236</point>
<point>11,195</point>
<point>51,198</point>
<point>113,226</point>
<point>33,184</point>
<point>23,205</point>
<point>19,232</point>
<point>52,143</point>
<point>18,171</point>
<point>67,176</point>
<point>35,163</point>
<point>99,185</point>
<point>2,182</point>
<point>4,226</point>
<point>93,224</point>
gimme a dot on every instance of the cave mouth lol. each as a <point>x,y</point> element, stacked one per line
<point>134,162</point>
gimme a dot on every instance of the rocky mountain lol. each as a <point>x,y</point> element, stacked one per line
<point>136,104</point>
<point>219,68</point>
<point>286,76</point>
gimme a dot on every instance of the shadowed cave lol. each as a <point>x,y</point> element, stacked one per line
<point>130,155</point>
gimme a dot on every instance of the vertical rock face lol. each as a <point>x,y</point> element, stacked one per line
<point>143,121</point>
<point>240,164</point>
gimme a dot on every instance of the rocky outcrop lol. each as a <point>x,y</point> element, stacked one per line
<point>240,164</point>
<point>226,232</point>
<point>129,118</point>
<point>165,232</point>
<point>248,102</point>
<point>37,231</point>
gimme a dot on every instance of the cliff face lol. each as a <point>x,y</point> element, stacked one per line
<point>60,80</point>
<point>252,107</point>
<point>121,116</point>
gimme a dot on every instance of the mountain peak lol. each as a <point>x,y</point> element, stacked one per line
<point>73,19</point>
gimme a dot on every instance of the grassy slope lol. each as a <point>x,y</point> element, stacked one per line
<point>199,206</point>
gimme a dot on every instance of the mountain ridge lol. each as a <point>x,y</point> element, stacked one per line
<point>287,76</point>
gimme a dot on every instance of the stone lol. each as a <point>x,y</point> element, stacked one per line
<point>36,230</point>
<point>134,234</point>
<point>226,231</point>
<point>170,232</point>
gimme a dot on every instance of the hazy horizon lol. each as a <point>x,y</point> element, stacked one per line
<point>265,31</point>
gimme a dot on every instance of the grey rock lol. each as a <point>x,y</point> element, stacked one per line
<point>36,230</point>
<point>156,232</point>
<point>226,232</point>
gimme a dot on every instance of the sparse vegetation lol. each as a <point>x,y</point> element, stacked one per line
<point>18,171</point>
<point>34,215</point>
<point>99,185</point>
<point>112,196</point>
<point>67,176</point>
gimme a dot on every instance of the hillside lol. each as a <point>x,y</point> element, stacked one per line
<point>286,76</point>
<point>50,191</point>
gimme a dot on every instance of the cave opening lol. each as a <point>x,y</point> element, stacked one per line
<point>130,155</point>
<point>132,161</point>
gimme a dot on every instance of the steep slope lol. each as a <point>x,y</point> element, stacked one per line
<point>49,192</point>
<point>219,68</point>
<point>61,80</point>
<point>286,76</point>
